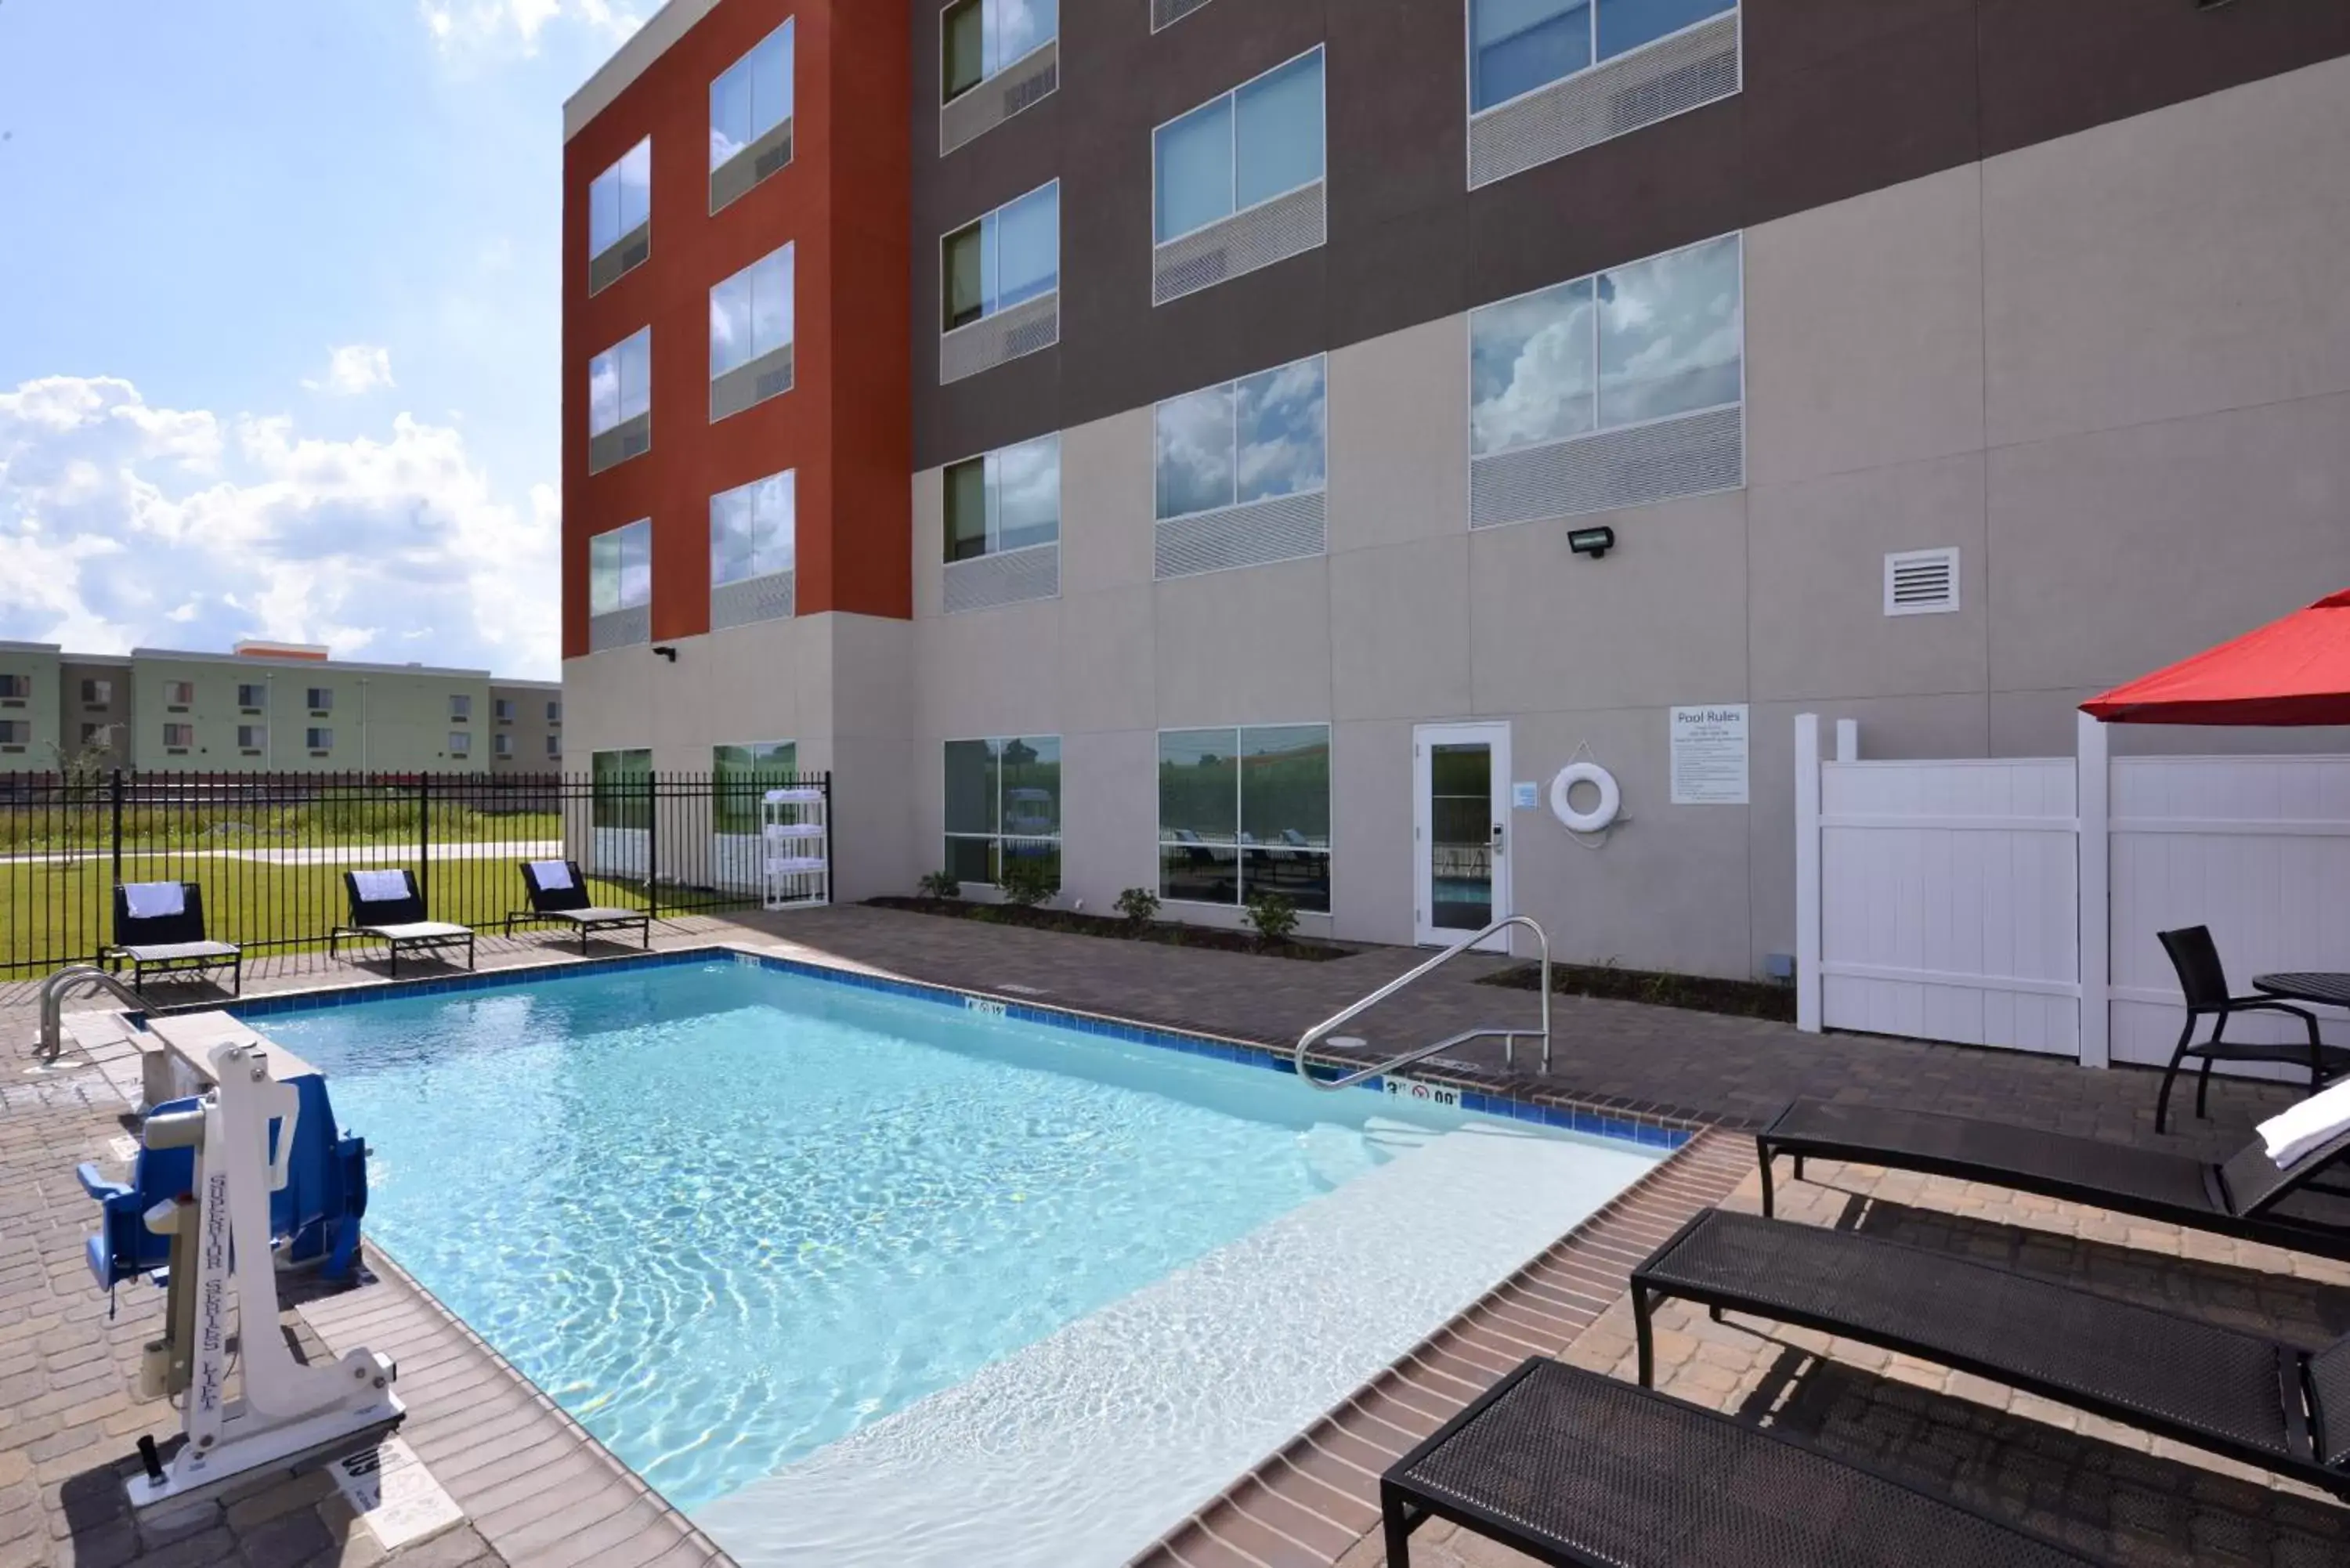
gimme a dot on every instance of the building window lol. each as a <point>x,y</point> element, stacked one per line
<point>1519,45</point>
<point>742,774</point>
<point>179,737</point>
<point>16,688</point>
<point>98,693</point>
<point>750,117</point>
<point>501,745</point>
<point>750,335</point>
<point>15,734</point>
<point>982,37</point>
<point>555,712</point>
<point>1246,811</point>
<point>318,741</point>
<point>1252,439</point>
<point>502,709</point>
<point>1007,499</point>
<point>621,568</point>
<point>252,738</point>
<point>754,529</point>
<point>253,698</point>
<point>1258,142</point>
<point>321,698</point>
<point>96,735</point>
<point>620,217</point>
<point>1003,801</point>
<point>461,744</point>
<point>460,707</point>
<point>179,695</point>
<point>1560,374</point>
<point>1008,257</point>
<point>621,789</point>
<point>620,401</point>
<point>553,745</point>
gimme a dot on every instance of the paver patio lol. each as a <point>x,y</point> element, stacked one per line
<point>67,1415</point>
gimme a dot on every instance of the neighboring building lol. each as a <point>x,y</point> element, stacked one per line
<point>1123,438</point>
<point>267,708</point>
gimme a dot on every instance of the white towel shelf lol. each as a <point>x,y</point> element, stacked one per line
<point>797,826</point>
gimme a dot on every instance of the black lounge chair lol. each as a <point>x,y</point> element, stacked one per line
<point>2245,1196</point>
<point>2203,982</point>
<point>173,941</point>
<point>569,905</point>
<point>1572,1468</point>
<point>381,915</point>
<point>2242,1394</point>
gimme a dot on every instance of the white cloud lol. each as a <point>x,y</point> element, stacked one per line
<point>122,525</point>
<point>353,369</point>
<point>475,25</point>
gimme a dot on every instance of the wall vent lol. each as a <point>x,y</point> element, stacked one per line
<point>1166,13</point>
<point>619,628</point>
<point>1023,83</point>
<point>1011,577</point>
<point>631,438</point>
<point>1285,528</point>
<point>1921,582</point>
<point>620,258</point>
<point>1691,455</point>
<point>1266,233</point>
<point>993,340</point>
<point>771,598</point>
<point>1669,77</point>
<point>768,375</point>
<point>730,180</point>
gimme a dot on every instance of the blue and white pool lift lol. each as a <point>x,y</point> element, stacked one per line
<point>230,1185</point>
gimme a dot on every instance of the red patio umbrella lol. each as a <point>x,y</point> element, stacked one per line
<point>2292,671</point>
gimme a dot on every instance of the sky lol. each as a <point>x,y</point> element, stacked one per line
<point>279,295</point>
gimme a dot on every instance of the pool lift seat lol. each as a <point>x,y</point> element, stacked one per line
<point>228,1185</point>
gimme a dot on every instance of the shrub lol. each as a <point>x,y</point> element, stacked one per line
<point>1274,916</point>
<point>1027,882</point>
<point>940,885</point>
<point>1139,906</point>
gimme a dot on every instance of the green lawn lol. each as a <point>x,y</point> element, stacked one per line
<point>389,819</point>
<point>59,911</point>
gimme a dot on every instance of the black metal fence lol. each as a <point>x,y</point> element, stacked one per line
<point>269,850</point>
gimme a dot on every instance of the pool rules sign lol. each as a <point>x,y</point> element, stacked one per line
<point>1710,755</point>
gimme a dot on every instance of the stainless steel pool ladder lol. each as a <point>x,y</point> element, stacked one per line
<point>53,995</point>
<point>1508,1037</point>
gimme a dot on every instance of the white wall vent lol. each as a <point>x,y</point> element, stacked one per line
<point>768,375</point>
<point>1166,13</point>
<point>1024,82</point>
<point>619,628</point>
<point>1285,528</point>
<point>1267,232</point>
<point>631,438</point>
<point>1675,74</point>
<point>771,598</point>
<point>997,339</point>
<point>1921,582</point>
<point>1010,578</point>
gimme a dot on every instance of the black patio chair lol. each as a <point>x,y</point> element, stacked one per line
<point>568,903</point>
<point>1573,1468</point>
<point>2244,1396</point>
<point>2203,982</point>
<point>170,939</point>
<point>2246,1195</point>
<point>393,912</point>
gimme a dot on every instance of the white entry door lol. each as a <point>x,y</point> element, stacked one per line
<point>1460,828</point>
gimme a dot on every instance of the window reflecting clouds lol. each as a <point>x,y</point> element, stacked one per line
<point>1263,436</point>
<point>753,529</point>
<point>752,96</point>
<point>751,313</point>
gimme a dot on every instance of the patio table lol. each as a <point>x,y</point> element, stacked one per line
<point>2329,989</point>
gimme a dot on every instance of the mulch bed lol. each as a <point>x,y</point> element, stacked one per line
<point>1169,933</point>
<point>1699,993</point>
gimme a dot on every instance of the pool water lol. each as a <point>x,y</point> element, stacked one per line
<point>727,1215</point>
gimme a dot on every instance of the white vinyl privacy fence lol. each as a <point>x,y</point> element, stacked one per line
<point>2015,902</point>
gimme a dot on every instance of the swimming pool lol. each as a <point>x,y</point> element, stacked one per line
<point>731,1217</point>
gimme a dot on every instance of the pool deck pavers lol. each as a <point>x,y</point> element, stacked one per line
<point>538,1490</point>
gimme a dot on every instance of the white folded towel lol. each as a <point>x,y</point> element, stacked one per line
<point>2319,1119</point>
<point>155,900</point>
<point>380,886</point>
<point>552,876</point>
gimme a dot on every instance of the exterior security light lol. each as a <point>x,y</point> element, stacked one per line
<point>668,653</point>
<point>1592,542</point>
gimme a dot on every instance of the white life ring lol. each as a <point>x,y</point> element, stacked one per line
<point>1562,805</point>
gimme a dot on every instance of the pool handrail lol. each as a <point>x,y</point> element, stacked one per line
<point>52,1042</point>
<point>1509,1037</point>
